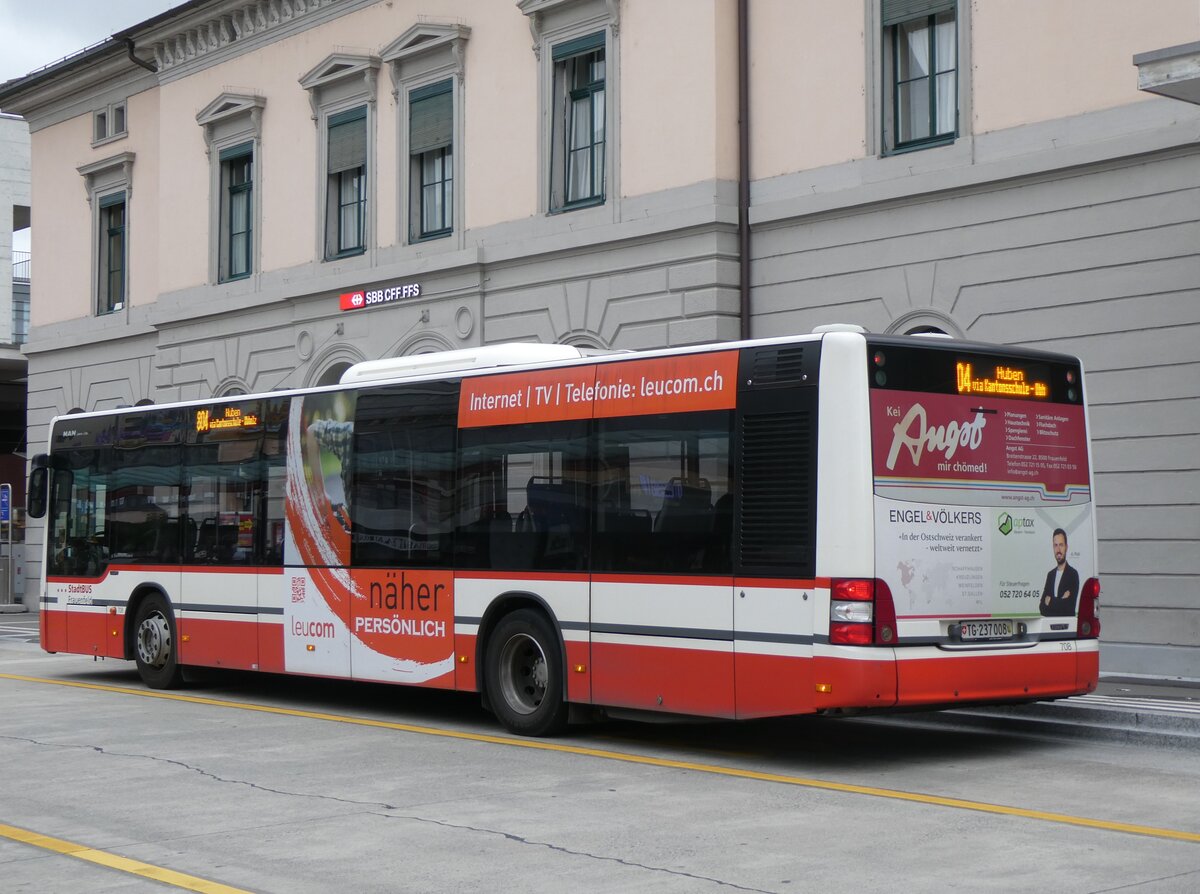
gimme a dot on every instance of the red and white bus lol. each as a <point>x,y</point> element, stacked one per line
<point>825,523</point>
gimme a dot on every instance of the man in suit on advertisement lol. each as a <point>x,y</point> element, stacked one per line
<point>1062,583</point>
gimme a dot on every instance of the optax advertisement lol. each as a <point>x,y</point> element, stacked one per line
<point>982,505</point>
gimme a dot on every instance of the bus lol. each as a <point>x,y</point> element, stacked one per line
<point>835,522</point>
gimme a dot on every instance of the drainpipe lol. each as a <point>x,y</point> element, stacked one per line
<point>744,161</point>
<point>149,66</point>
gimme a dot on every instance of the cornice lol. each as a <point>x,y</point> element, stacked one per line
<point>218,31</point>
<point>46,94</point>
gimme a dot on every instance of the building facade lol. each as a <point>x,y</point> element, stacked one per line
<point>247,196</point>
<point>14,315</point>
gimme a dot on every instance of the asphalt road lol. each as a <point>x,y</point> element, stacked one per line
<point>272,784</point>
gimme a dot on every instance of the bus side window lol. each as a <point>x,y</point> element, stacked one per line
<point>665,501</point>
<point>524,497</point>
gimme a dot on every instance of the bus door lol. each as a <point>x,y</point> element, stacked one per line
<point>402,516</point>
<point>774,530</point>
<point>317,581</point>
<point>662,587</point>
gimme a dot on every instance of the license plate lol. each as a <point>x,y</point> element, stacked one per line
<point>974,631</point>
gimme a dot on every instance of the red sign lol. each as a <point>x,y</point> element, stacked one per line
<point>968,438</point>
<point>353,300</point>
<point>682,383</point>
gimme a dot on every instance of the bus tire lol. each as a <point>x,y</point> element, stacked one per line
<point>524,674</point>
<point>155,644</point>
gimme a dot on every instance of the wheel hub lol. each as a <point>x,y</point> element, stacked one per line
<point>524,673</point>
<point>154,640</point>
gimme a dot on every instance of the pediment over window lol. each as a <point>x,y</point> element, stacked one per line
<point>427,46</point>
<point>341,73</point>
<point>424,38</point>
<point>242,111</point>
<point>108,173</point>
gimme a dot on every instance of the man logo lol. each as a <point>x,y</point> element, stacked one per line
<point>1006,524</point>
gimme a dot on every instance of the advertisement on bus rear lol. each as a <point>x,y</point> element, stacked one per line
<point>982,505</point>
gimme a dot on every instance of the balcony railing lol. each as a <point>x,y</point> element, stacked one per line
<point>21,266</point>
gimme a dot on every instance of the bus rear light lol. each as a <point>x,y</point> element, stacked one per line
<point>1089,609</point>
<point>851,634</point>
<point>853,590</point>
<point>861,613</point>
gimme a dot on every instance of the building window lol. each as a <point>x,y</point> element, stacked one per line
<point>921,72</point>
<point>431,150</point>
<point>111,286</point>
<point>237,211</point>
<point>341,93</point>
<point>346,196</point>
<point>579,119</point>
<point>427,64</point>
<point>108,123</point>
<point>232,127</point>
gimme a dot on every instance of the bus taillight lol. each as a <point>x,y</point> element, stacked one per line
<point>1089,609</point>
<point>861,613</point>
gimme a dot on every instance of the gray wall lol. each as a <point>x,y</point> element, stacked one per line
<point>1100,260</point>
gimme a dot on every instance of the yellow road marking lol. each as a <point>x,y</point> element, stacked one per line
<point>646,760</point>
<point>112,861</point>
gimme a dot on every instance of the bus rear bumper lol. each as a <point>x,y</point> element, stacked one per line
<point>930,676</point>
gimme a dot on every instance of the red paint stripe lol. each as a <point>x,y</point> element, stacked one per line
<point>211,643</point>
<point>680,681</point>
<point>949,679</point>
<point>167,569</point>
<point>769,583</point>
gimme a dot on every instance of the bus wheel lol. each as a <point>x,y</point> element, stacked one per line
<point>154,644</point>
<point>525,675</point>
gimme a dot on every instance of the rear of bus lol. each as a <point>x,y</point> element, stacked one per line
<point>985,585</point>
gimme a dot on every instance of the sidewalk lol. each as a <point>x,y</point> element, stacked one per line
<point>1130,710</point>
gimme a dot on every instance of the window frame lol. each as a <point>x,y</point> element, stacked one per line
<point>108,183</point>
<point>105,302</point>
<point>559,23</point>
<point>884,17</point>
<point>418,162</point>
<point>567,91</point>
<point>335,189</point>
<point>229,159</point>
<point>109,115</point>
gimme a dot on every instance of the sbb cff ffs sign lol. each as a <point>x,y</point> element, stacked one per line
<point>372,297</point>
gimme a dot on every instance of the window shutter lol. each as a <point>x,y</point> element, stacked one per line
<point>238,151</point>
<point>348,140</point>
<point>430,118</point>
<point>896,11</point>
<point>578,46</point>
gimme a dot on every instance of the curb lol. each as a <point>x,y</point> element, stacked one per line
<point>1159,724</point>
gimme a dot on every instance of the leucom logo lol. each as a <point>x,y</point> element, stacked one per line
<point>353,300</point>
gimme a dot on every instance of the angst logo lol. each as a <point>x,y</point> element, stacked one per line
<point>914,433</point>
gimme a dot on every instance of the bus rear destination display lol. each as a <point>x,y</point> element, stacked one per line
<point>1003,381</point>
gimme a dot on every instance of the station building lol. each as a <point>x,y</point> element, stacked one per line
<point>247,195</point>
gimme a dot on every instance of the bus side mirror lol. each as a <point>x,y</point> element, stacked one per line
<point>38,494</point>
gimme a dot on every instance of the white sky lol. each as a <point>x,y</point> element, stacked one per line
<point>35,33</point>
